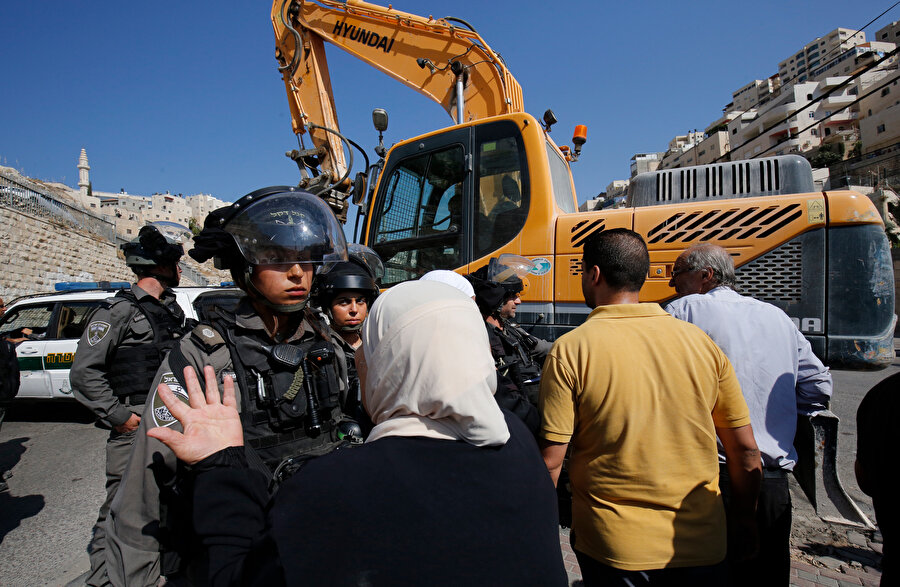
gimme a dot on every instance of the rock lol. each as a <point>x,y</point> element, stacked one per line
<point>857,539</point>
<point>830,562</point>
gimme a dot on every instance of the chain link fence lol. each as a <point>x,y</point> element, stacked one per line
<point>31,199</point>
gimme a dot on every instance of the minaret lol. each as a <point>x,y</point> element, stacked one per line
<point>84,170</point>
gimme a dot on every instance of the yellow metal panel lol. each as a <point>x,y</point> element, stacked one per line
<point>571,232</point>
<point>847,207</point>
<point>573,229</point>
<point>747,227</point>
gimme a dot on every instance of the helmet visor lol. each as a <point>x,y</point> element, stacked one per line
<point>287,228</point>
<point>509,268</point>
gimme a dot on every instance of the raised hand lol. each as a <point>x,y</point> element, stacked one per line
<point>210,424</point>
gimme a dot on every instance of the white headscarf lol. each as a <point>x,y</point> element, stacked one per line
<point>426,367</point>
<point>450,278</point>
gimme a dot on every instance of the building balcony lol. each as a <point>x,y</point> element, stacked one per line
<point>777,113</point>
<point>840,100</point>
<point>783,135</point>
<point>841,136</point>
<point>843,117</point>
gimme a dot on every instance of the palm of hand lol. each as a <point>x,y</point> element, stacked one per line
<point>207,430</point>
<point>210,424</point>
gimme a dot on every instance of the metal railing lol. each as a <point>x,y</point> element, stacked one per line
<point>30,199</point>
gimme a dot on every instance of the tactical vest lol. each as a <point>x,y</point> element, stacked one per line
<point>275,400</point>
<point>133,368</point>
<point>517,362</point>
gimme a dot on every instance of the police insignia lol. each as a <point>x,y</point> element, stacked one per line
<point>161,414</point>
<point>96,331</point>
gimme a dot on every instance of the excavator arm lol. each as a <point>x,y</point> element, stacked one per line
<point>439,58</point>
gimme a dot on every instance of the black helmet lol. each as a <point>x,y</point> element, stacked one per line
<point>362,272</point>
<point>508,271</point>
<point>151,248</point>
<point>274,225</point>
<point>499,281</point>
<point>343,276</point>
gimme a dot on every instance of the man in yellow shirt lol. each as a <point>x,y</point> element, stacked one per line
<point>641,397</point>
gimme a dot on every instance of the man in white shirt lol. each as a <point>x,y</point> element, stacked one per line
<point>780,378</point>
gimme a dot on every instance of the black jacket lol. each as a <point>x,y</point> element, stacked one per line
<point>397,511</point>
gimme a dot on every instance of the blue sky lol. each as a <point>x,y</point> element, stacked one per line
<point>186,96</point>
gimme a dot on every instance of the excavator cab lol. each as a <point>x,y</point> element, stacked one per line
<point>449,198</point>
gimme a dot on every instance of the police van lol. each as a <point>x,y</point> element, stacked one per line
<point>50,325</point>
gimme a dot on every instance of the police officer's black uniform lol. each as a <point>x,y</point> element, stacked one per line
<point>517,354</point>
<point>289,393</point>
<point>360,274</point>
<point>116,360</point>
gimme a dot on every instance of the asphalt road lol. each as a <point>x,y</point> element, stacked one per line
<point>56,456</point>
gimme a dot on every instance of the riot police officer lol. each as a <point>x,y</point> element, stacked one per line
<point>518,354</point>
<point>345,291</point>
<point>118,356</point>
<point>278,350</point>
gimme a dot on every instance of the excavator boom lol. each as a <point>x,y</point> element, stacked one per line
<point>435,57</point>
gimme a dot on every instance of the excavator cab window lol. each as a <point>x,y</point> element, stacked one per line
<point>419,227</point>
<point>501,186</point>
<point>432,212</point>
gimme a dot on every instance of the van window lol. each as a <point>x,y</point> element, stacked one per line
<point>73,318</point>
<point>35,317</point>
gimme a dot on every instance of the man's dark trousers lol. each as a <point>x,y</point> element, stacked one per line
<point>772,566</point>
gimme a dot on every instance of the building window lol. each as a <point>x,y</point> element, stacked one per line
<point>827,131</point>
<point>814,132</point>
<point>734,131</point>
<point>812,114</point>
<point>809,96</point>
<point>885,92</point>
<point>880,128</point>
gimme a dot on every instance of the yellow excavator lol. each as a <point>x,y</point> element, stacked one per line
<point>495,182</point>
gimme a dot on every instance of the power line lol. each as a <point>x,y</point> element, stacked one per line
<point>811,102</point>
<point>790,80</point>
<point>853,103</point>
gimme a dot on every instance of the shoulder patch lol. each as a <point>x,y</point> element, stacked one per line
<point>161,415</point>
<point>207,337</point>
<point>97,330</point>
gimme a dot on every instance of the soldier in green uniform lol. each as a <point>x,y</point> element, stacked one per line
<point>279,351</point>
<point>117,358</point>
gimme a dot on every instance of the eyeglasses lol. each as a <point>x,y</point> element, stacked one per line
<point>677,272</point>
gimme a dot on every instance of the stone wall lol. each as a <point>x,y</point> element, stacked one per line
<point>35,253</point>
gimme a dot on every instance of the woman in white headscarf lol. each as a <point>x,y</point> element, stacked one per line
<point>451,278</point>
<point>447,490</point>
